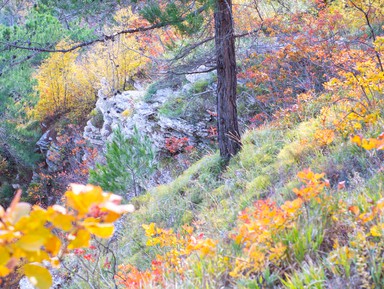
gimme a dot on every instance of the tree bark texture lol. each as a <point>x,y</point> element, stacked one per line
<point>227,123</point>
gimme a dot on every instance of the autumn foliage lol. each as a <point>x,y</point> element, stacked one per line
<point>314,83</point>
<point>32,235</point>
<point>265,234</point>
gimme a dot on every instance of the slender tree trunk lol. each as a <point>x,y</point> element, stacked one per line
<point>227,124</point>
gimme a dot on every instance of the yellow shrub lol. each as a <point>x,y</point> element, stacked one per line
<point>68,82</point>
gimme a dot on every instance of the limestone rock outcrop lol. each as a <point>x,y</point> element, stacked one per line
<point>129,109</point>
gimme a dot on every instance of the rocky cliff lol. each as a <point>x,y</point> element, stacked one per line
<point>131,109</point>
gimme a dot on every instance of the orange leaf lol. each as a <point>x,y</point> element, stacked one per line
<point>354,209</point>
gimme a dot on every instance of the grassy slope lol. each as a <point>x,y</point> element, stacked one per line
<point>265,168</point>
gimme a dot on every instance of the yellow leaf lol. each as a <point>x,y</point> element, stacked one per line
<point>356,139</point>
<point>83,198</point>
<point>109,217</point>
<point>4,271</point>
<point>188,229</point>
<point>291,207</point>
<point>208,247</point>
<point>38,275</point>
<point>324,136</point>
<point>36,256</point>
<point>53,245</point>
<point>4,256</point>
<point>31,243</point>
<point>376,231</point>
<point>32,222</point>
<point>150,230</point>
<point>80,240</point>
<point>277,252</point>
<point>64,222</point>
<point>59,220</point>
<point>100,230</point>
<point>369,144</point>
<point>365,217</point>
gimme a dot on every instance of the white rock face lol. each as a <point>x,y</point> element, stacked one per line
<point>128,110</point>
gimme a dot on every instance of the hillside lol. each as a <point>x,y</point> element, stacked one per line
<point>287,212</point>
<point>225,144</point>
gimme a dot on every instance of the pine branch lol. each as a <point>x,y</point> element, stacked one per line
<point>103,38</point>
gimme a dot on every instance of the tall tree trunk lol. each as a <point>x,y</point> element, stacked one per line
<point>227,124</point>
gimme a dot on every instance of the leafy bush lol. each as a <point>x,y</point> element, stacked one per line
<point>32,235</point>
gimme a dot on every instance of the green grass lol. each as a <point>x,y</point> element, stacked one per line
<point>173,107</point>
